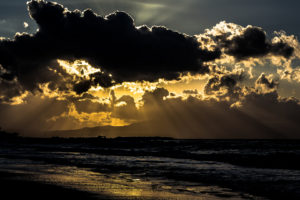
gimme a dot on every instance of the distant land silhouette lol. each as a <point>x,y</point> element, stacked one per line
<point>247,129</point>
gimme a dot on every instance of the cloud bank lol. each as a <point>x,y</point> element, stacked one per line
<point>75,54</point>
<point>112,43</point>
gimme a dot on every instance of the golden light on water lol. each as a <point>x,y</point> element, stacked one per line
<point>122,185</point>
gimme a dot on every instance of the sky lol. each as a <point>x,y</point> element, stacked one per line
<point>188,16</point>
<point>179,68</point>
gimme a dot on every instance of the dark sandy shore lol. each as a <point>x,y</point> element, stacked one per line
<point>20,186</point>
<point>149,168</point>
<point>16,186</point>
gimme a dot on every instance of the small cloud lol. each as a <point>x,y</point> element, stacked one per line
<point>26,25</point>
<point>266,83</point>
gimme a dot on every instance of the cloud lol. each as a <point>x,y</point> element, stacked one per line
<point>25,24</point>
<point>74,51</point>
<point>225,84</point>
<point>266,83</point>
<point>89,106</point>
<point>123,51</point>
<point>259,115</point>
<point>251,50</point>
<point>112,43</point>
<point>82,86</point>
<point>9,90</point>
<point>155,96</point>
<point>246,42</point>
<point>254,114</point>
<point>253,42</point>
<point>125,108</point>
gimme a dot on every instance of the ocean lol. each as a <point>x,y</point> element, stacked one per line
<point>158,168</point>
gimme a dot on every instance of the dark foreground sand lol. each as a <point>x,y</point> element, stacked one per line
<point>19,186</point>
<point>15,186</point>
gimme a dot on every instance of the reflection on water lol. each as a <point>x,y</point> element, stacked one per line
<point>121,185</point>
<point>141,168</point>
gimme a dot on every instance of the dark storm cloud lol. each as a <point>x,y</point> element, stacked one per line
<point>97,78</point>
<point>155,96</point>
<point>253,42</point>
<point>113,43</point>
<point>8,90</point>
<point>228,81</point>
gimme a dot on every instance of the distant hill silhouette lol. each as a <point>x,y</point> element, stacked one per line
<point>245,129</point>
<point>7,135</point>
<point>136,129</point>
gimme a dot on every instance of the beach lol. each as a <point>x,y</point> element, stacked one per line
<point>17,186</point>
<point>150,168</point>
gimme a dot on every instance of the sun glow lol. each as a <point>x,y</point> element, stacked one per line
<point>19,99</point>
<point>120,108</point>
<point>87,119</point>
<point>80,68</point>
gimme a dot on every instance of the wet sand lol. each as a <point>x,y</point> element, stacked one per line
<point>16,186</point>
<point>22,185</point>
<point>150,169</point>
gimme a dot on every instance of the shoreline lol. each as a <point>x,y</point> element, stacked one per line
<point>19,186</point>
<point>146,169</point>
